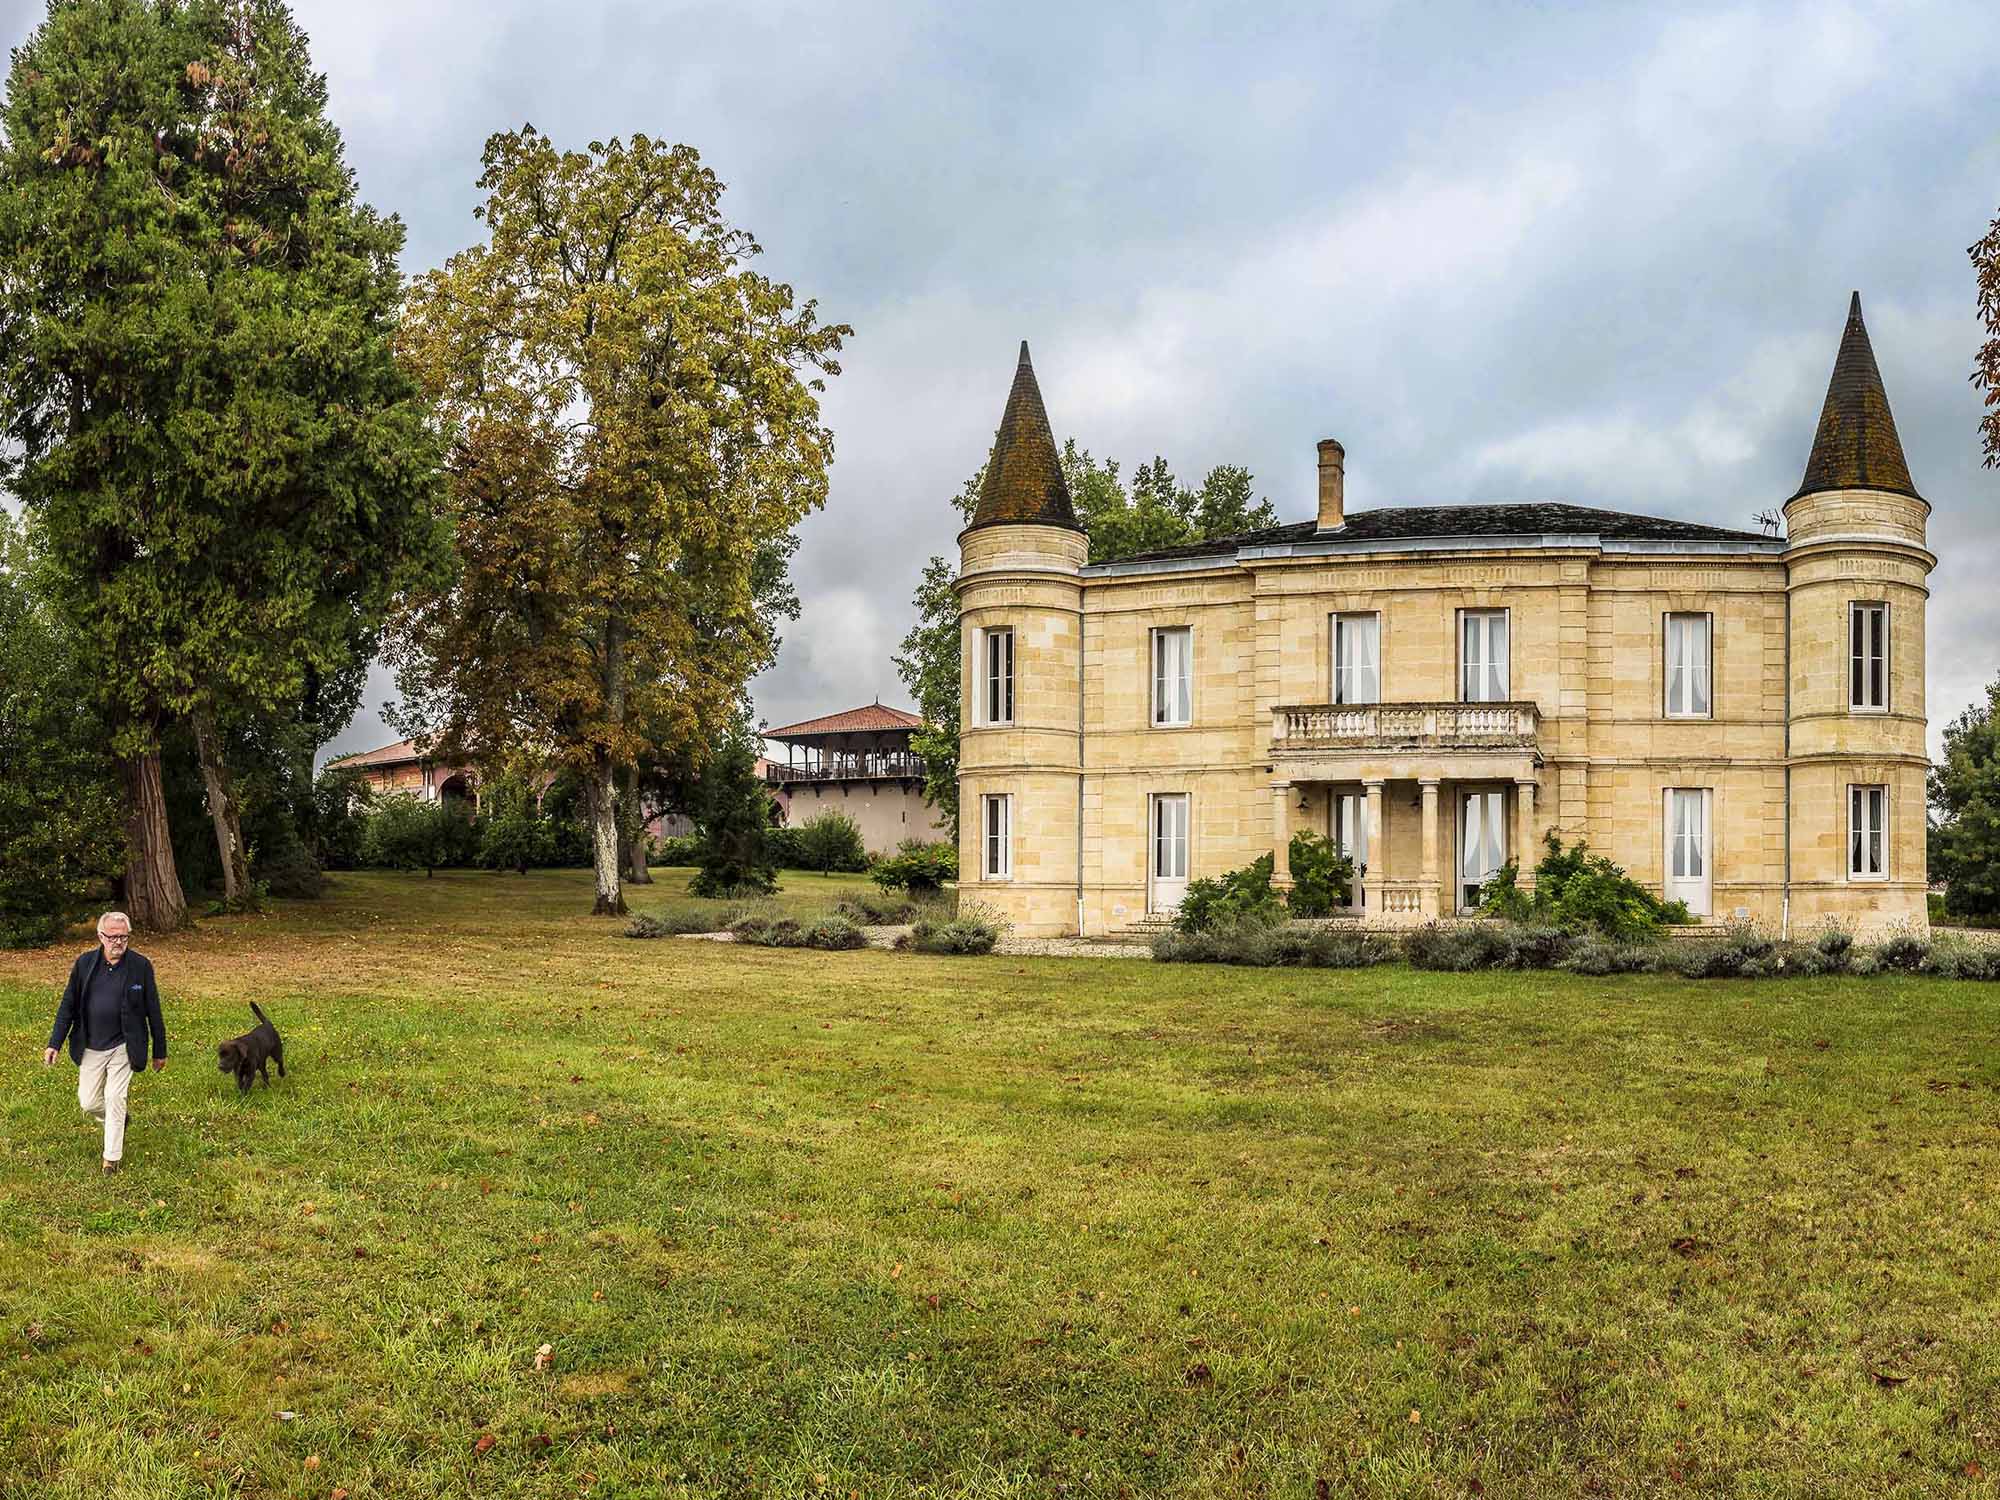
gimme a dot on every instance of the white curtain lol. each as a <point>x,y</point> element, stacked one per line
<point>1485,656</point>
<point>1170,837</point>
<point>1357,674</point>
<point>1688,835</point>
<point>1173,686</point>
<point>1687,664</point>
<point>1483,846</point>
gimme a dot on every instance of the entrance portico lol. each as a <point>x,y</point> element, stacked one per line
<point>1468,772</point>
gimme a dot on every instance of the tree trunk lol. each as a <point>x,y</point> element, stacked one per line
<point>632,831</point>
<point>222,806</point>
<point>600,800</point>
<point>153,896</point>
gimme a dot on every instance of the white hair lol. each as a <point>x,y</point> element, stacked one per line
<point>114,916</point>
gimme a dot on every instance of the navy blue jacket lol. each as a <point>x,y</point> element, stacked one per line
<point>139,1007</point>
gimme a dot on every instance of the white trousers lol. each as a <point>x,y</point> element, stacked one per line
<point>102,1085</point>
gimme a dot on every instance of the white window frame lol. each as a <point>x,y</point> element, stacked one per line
<point>1858,610</point>
<point>1157,640</point>
<point>1858,793</point>
<point>1374,668</point>
<point>1705,671</point>
<point>1465,616</point>
<point>984,677</point>
<point>996,844</point>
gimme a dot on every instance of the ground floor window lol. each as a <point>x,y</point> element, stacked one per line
<point>997,819</point>
<point>1169,841</point>
<point>1868,833</point>
<point>1482,842</point>
<point>1688,857</point>
<point>1348,831</point>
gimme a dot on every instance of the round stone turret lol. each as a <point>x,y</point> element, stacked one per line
<point>1857,566</point>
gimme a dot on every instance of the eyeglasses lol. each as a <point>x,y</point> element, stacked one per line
<point>116,937</point>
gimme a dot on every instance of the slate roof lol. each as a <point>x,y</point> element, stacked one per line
<point>1409,523</point>
<point>1024,479</point>
<point>870,718</point>
<point>1856,446</point>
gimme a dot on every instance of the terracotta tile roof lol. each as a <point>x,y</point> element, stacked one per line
<point>1417,521</point>
<point>1024,478</point>
<point>399,754</point>
<point>871,718</point>
<point>1856,447</point>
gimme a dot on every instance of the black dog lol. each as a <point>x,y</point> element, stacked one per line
<point>252,1052</point>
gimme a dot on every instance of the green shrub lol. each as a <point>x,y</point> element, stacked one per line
<point>1904,951</point>
<point>516,841</point>
<point>970,932</point>
<point>686,917</point>
<point>1460,947</point>
<point>1577,891</point>
<point>405,832</point>
<point>1934,907</point>
<point>1955,958</point>
<point>1595,954</point>
<point>782,847</point>
<point>829,932</point>
<point>254,896</point>
<point>1322,877</point>
<point>882,909</point>
<point>917,867</point>
<point>1835,947</point>
<point>1740,953</point>
<point>830,842</point>
<point>1241,896</point>
<point>1257,943</point>
<point>681,849</point>
<point>290,871</point>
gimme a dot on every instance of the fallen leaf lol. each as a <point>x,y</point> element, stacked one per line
<point>1199,1374</point>
<point>286,1416</point>
<point>312,1460</point>
<point>1416,1417</point>
<point>485,1443</point>
<point>896,1270</point>
<point>1888,1377</point>
<point>544,1355</point>
<point>339,1494</point>
<point>485,1186</point>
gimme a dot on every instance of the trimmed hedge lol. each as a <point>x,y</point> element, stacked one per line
<point>1262,944</point>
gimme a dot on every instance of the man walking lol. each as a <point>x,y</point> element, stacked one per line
<point>110,1010</point>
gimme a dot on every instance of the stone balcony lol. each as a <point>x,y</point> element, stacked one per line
<point>1315,727</point>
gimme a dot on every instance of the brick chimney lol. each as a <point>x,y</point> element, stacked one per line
<point>1332,485</point>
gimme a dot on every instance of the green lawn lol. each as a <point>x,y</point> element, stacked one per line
<point>882,1225</point>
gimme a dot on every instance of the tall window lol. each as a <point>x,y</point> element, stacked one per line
<point>1868,833</point>
<point>1357,674</point>
<point>1482,843</point>
<point>996,674</point>
<point>1687,667</point>
<point>1173,676</point>
<point>997,820</point>
<point>1868,656</point>
<point>1482,656</point>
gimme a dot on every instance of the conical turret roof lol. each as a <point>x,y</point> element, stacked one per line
<point>1024,478</point>
<point>1856,447</point>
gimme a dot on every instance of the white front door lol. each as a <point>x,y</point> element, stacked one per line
<point>1688,857</point>
<point>1169,864</point>
<point>1350,837</point>
<point>1482,843</point>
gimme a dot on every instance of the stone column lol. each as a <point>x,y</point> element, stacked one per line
<point>1431,903</point>
<point>1524,833</point>
<point>1378,850</point>
<point>1281,834</point>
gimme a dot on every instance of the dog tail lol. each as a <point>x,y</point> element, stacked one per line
<point>259,1014</point>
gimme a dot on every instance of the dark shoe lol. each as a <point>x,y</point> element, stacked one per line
<point>110,1167</point>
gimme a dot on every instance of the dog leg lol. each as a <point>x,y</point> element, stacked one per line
<point>279,1053</point>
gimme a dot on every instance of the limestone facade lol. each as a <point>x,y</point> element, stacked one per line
<point>1788,791</point>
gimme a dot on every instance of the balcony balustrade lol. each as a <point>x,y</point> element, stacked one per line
<point>1392,726</point>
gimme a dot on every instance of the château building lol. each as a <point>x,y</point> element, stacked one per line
<point>1736,718</point>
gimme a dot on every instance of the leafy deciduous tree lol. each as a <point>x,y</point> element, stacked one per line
<point>1986,366</point>
<point>633,425</point>
<point>1965,795</point>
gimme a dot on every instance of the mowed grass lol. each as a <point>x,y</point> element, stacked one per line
<point>803,1224</point>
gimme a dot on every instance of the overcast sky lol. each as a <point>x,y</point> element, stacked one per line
<point>1591,253</point>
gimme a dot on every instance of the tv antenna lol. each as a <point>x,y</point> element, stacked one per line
<point>1768,519</point>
